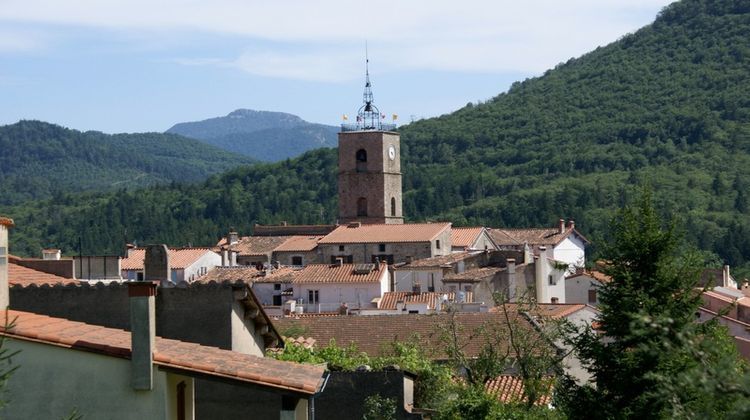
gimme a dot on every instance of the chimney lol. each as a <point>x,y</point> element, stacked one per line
<point>51,254</point>
<point>233,258</point>
<point>129,249</point>
<point>156,264</point>
<point>5,225</point>
<point>233,237</point>
<point>571,224</point>
<point>224,257</point>
<point>725,277</point>
<point>512,285</point>
<point>142,333</point>
<point>541,271</point>
<point>562,226</point>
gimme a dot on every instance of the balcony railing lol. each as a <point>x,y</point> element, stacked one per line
<point>363,127</point>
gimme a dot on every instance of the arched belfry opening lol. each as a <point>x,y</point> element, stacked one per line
<point>361,157</point>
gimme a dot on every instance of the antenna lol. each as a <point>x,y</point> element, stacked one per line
<point>368,116</point>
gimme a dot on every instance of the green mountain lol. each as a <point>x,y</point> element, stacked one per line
<point>40,159</point>
<point>667,106</point>
<point>263,135</point>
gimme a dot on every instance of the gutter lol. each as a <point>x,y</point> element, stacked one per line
<point>312,398</point>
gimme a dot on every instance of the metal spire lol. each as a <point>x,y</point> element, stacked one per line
<point>368,116</point>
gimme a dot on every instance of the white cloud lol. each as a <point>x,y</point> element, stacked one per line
<point>470,36</point>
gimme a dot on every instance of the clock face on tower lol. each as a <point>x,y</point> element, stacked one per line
<point>392,152</point>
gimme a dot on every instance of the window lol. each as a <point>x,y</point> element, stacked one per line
<point>431,286</point>
<point>297,260</point>
<point>592,296</point>
<point>393,206</point>
<point>437,243</point>
<point>341,248</point>
<point>361,160</point>
<point>3,250</point>
<point>552,281</point>
<point>313,296</point>
<point>139,276</point>
<point>381,247</point>
<point>277,286</point>
<point>554,300</point>
<point>277,300</point>
<point>467,288</point>
<point>361,206</point>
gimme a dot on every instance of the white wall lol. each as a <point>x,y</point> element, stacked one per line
<point>570,251</point>
<point>577,289</point>
<point>205,263</point>
<point>245,340</point>
<point>52,381</point>
<point>405,279</point>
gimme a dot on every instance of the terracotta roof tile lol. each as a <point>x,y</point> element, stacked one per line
<point>476,274</point>
<point>437,261</point>
<point>594,274</point>
<point>509,388</point>
<point>345,273</point>
<point>532,236</point>
<point>464,237</point>
<point>257,245</point>
<point>385,233</point>
<point>178,257</point>
<point>389,299</point>
<point>247,274</point>
<point>306,379</point>
<point>373,334</point>
<point>299,244</point>
<point>23,276</point>
<point>6,222</point>
<point>550,310</point>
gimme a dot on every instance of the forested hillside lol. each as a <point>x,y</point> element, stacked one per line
<point>668,105</point>
<point>39,160</point>
<point>262,135</point>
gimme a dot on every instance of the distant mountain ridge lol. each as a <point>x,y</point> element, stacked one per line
<point>39,159</point>
<point>263,135</point>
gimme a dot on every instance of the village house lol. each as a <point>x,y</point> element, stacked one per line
<point>395,303</point>
<point>562,243</point>
<point>471,239</point>
<point>185,264</point>
<point>584,285</point>
<point>426,274</point>
<point>360,243</point>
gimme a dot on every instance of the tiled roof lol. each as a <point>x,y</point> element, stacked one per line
<point>345,273</point>
<point>23,276</point>
<point>596,275</point>
<point>533,236</point>
<point>191,357</point>
<point>509,388</point>
<point>473,275</point>
<point>247,274</point>
<point>389,299</point>
<point>551,310</point>
<point>464,237</point>
<point>373,334</point>
<point>178,257</point>
<point>385,233</point>
<point>437,261</point>
<point>289,230</point>
<point>6,222</point>
<point>257,245</point>
<point>299,244</point>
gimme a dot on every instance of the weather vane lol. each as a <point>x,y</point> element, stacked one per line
<point>368,115</point>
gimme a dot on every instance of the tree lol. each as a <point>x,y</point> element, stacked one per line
<point>648,356</point>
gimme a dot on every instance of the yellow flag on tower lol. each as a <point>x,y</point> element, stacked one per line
<point>345,117</point>
<point>395,117</point>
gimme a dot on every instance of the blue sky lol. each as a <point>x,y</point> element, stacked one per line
<point>137,65</point>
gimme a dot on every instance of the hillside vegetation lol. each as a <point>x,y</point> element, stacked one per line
<point>668,105</point>
<point>262,135</point>
<point>39,160</point>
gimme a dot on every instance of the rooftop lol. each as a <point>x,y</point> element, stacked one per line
<point>594,274</point>
<point>437,261</point>
<point>385,233</point>
<point>23,276</point>
<point>532,236</point>
<point>178,257</point>
<point>247,274</point>
<point>464,237</point>
<point>4,221</point>
<point>476,274</point>
<point>509,388</point>
<point>344,273</point>
<point>389,299</point>
<point>184,356</point>
<point>299,244</point>
<point>255,245</point>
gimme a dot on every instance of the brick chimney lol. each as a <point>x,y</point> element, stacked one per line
<point>233,237</point>
<point>571,224</point>
<point>156,264</point>
<point>5,225</point>
<point>142,333</point>
<point>561,226</point>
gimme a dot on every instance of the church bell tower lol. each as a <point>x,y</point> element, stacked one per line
<point>369,166</point>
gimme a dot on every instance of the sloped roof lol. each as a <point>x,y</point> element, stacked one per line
<point>257,245</point>
<point>190,357</point>
<point>437,261</point>
<point>385,233</point>
<point>550,310</point>
<point>23,276</point>
<point>476,274</point>
<point>289,230</point>
<point>464,237</point>
<point>178,257</point>
<point>247,274</point>
<point>509,388</point>
<point>299,244</point>
<point>373,334</point>
<point>389,299</point>
<point>596,275</point>
<point>532,236</point>
<point>345,273</point>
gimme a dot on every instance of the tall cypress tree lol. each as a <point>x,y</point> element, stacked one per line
<point>647,356</point>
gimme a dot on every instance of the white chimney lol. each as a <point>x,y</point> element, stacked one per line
<point>726,277</point>
<point>233,237</point>
<point>52,254</point>
<point>5,225</point>
<point>562,226</point>
<point>540,278</point>
<point>142,333</point>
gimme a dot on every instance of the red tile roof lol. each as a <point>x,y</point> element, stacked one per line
<point>257,245</point>
<point>247,274</point>
<point>475,275</point>
<point>23,276</point>
<point>437,261</point>
<point>465,237</point>
<point>509,388</point>
<point>373,334</point>
<point>389,299</point>
<point>596,275</point>
<point>385,233</point>
<point>299,244</point>
<point>178,257</point>
<point>190,357</point>
<point>551,310</point>
<point>345,273</point>
<point>532,236</point>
